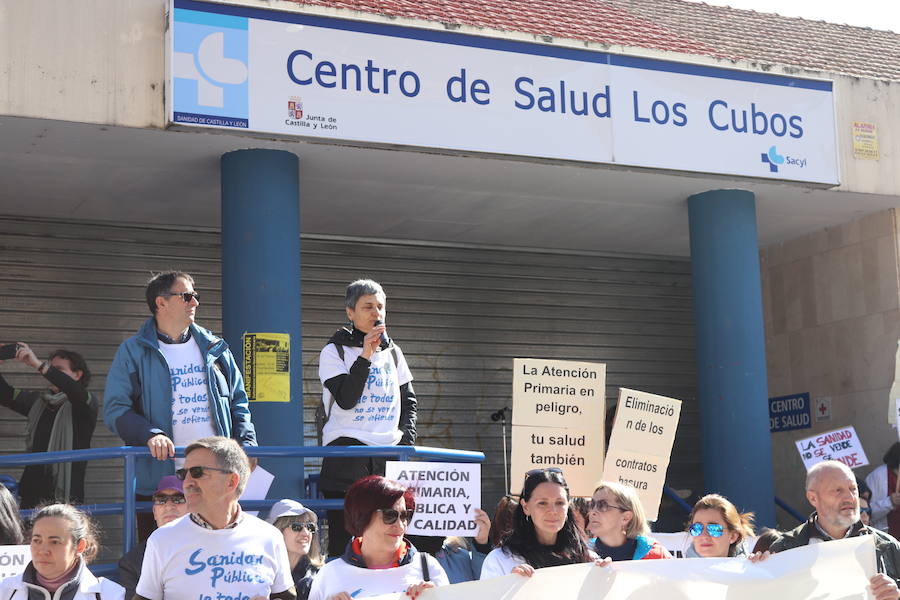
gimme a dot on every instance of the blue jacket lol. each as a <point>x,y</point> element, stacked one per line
<point>460,564</point>
<point>137,403</point>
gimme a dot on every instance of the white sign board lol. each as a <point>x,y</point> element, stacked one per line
<point>836,570</point>
<point>559,410</point>
<point>291,74</point>
<point>446,495</point>
<point>558,393</point>
<point>641,444</point>
<point>841,444</point>
<point>13,560</point>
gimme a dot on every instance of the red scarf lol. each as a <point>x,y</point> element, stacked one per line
<point>398,555</point>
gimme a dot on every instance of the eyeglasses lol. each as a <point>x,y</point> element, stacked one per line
<point>713,529</point>
<point>163,499</point>
<point>297,527</point>
<point>603,506</point>
<point>197,472</point>
<point>390,515</point>
<point>186,296</point>
<point>867,510</point>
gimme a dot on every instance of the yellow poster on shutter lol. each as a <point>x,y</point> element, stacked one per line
<point>267,367</point>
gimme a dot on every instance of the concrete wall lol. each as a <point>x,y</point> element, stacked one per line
<point>103,61</point>
<point>832,316</point>
<point>90,61</point>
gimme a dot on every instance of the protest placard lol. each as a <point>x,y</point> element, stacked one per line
<point>13,560</point>
<point>641,443</point>
<point>577,452</point>
<point>836,570</point>
<point>839,444</point>
<point>558,393</point>
<point>446,495</point>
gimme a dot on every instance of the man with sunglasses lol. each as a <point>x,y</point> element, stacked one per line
<point>168,504</point>
<point>217,551</point>
<point>172,383</point>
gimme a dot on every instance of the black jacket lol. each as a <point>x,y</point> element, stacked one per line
<point>887,549</point>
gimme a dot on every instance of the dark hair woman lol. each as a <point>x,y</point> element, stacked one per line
<point>63,543</point>
<point>378,558</point>
<point>544,533</point>
<point>10,523</point>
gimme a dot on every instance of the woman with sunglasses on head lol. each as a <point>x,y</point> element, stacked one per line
<point>63,541</point>
<point>618,522</point>
<point>717,529</point>
<point>300,529</point>
<point>378,558</point>
<point>544,533</point>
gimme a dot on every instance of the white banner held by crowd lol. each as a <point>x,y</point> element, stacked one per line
<point>835,570</point>
<point>446,495</point>
<point>840,444</point>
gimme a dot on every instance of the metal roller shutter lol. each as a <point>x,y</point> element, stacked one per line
<point>461,314</point>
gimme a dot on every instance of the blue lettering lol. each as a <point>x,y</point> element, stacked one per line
<point>195,563</point>
<point>325,69</point>
<point>712,120</point>
<point>528,95</point>
<point>290,66</point>
<point>637,110</point>
<point>680,117</point>
<point>415,91</point>
<point>795,125</point>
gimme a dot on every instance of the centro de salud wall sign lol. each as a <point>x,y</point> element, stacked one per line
<point>290,74</point>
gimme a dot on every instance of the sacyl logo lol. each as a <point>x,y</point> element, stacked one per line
<point>773,159</point>
<point>210,69</point>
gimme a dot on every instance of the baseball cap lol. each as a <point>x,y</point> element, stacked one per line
<point>170,482</point>
<point>286,508</point>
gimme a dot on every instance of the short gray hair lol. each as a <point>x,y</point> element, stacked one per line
<point>229,456</point>
<point>826,465</point>
<point>360,288</point>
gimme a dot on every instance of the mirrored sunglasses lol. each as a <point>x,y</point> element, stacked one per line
<point>713,529</point>
<point>390,515</point>
<point>197,472</point>
<point>162,499</point>
<point>297,527</point>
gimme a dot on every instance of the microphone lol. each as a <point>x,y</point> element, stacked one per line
<point>385,340</point>
<point>500,414</point>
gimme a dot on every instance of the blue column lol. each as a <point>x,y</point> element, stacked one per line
<point>261,286</point>
<point>731,351</point>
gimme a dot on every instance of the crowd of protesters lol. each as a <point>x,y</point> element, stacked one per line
<point>197,527</point>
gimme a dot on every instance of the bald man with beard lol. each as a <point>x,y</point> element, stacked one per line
<point>831,489</point>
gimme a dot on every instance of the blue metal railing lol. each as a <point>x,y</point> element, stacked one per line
<point>687,508</point>
<point>129,506</point>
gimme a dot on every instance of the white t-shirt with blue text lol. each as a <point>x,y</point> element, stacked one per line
<point>191,416</point>
<point>376,417</point>
<point>185,561</point>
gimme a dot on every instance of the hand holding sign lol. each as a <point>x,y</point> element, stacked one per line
<point>447,496</point>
